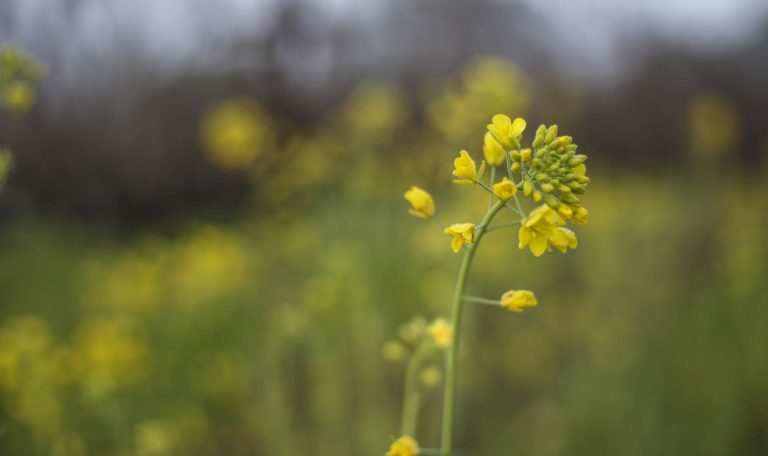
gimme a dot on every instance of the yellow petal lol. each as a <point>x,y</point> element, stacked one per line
<point>518,127</point>
<point>524,236</point>
<point>456,244</point>
<point>538,245</point>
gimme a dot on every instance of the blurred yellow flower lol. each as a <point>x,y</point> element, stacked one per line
<point>505,189</point>
<point>373,111</point>
<point>518,300</point>
<point>404,446</point>
<point>494,153</point>
<point>394,351</point>
<point>412,330</point>
<point>18,97</point>
<point>421,201</point>
<point>431,376</point>
<point>464,168</point>
<point>113,354</point>
<point>537,229</point>
<point>505,130</point>
<point>441,332</point>
<point>463,233</point>
<point>236,132</point>
<point>714,124</point>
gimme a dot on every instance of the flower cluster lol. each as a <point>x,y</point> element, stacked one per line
<point>552,175</point>
<point>544,228</point>
<point>553,172</point>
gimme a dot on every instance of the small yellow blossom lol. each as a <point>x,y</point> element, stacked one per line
<point>525,155</point>
<point>537,229</point>
<point>431,376</point>
<point>464,168</point>
<point>580,215</point>
<point>463,233</point>
<point>518,300</point>
<point>441,332</point>
<point>565,211</point>
<point>404,446</point>
<point>505,189</point>
<point>422,204</point>
<point>494,153</point>
<point>505,130</point>
<point>563,239</point>
<point>412,330</point>
<point>393,351</point>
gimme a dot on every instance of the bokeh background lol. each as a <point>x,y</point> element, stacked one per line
<point>204,245</point>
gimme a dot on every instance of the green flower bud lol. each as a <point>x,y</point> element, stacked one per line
<point>551,201</point>
<point>564,188</point>
<point>577,160</point>
<point>515,155</point>
<point>548,188</point>
<point>570,198</point>
<point>527,188</point>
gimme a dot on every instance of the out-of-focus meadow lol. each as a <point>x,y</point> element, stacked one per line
<point>241,306</point>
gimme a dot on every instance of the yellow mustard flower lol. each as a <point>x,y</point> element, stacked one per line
<point>441,332</point>
<point>464,168</point>
<point>463,233</point>
<point>518,300</point>
<point>404,446</point>
<point>505,189</point>
<point>494,153</point>
<point>422,203</point>
<point>580,215</point>
<point>506,130</point>
<point>563,239</point>
<point>537,229</point>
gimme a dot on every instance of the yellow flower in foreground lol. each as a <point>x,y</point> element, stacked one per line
<point>464,168</point>
<point>463,233</point>
<point>441,332</point>
<point>494,153</point>
<point>563,239</point>
<point>537,229</point>
<point>518,300</point>
<point>505,189</point>
<point>505,130</point>
<point>421,201</point>
<point>404,446</point>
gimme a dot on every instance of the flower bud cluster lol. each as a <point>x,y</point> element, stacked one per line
<point>553,172</point>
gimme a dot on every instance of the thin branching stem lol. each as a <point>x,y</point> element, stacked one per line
<point>452,361</point>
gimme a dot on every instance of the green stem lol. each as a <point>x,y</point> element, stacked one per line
<point>412,395</point>
<point>452,361</point>
<point>476,300</point>
<point>502,225</point>
<point>493,179</point>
